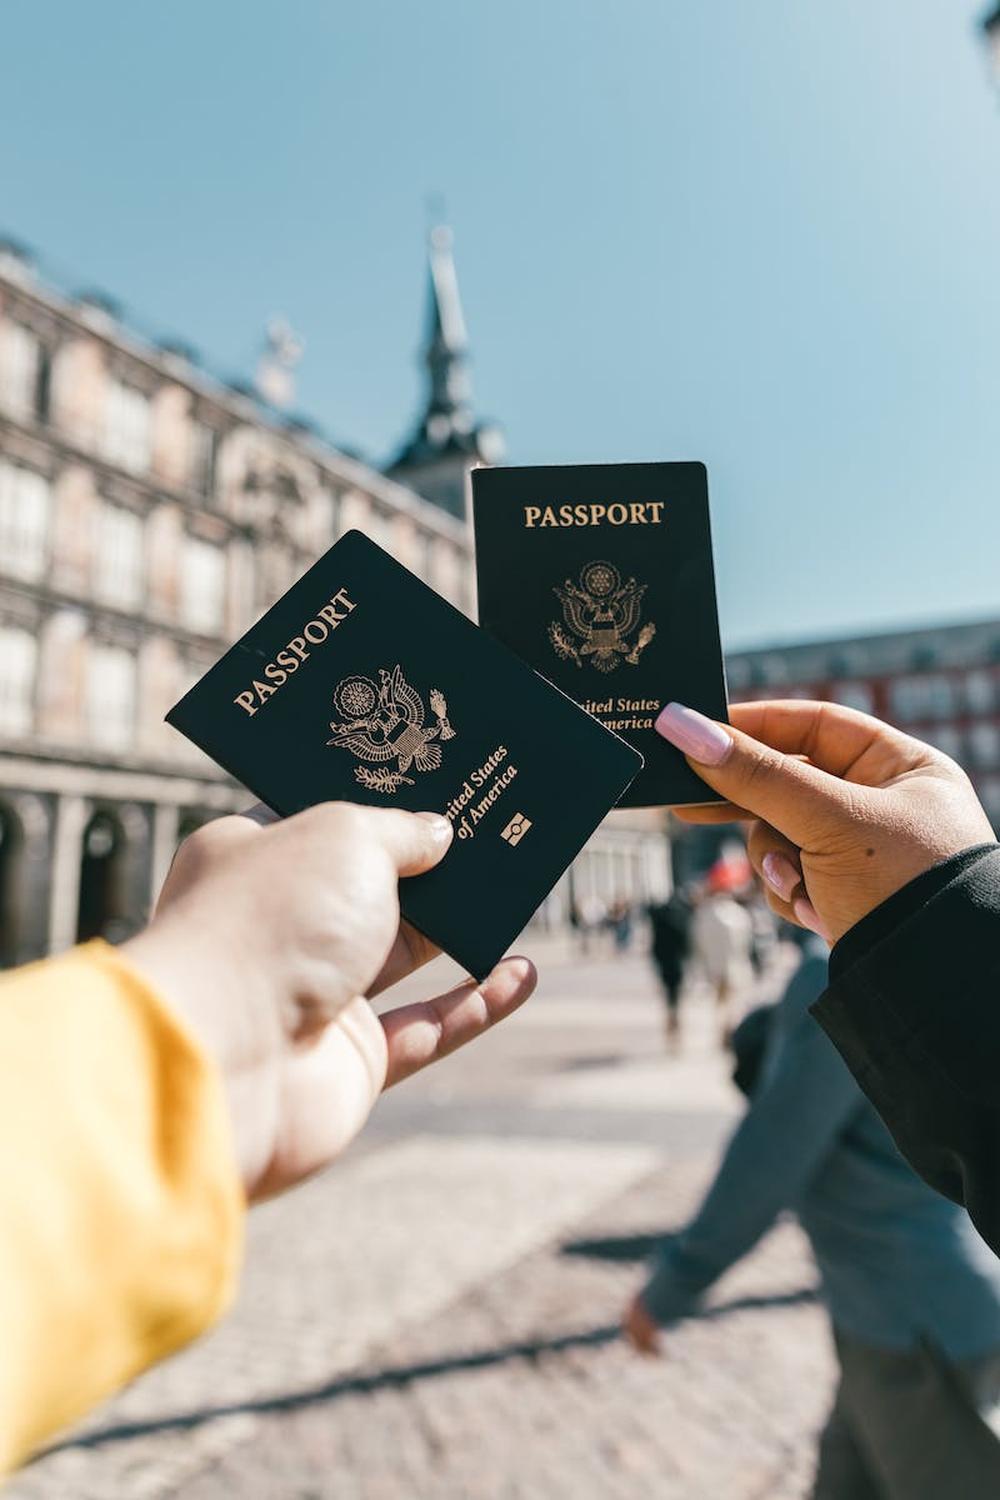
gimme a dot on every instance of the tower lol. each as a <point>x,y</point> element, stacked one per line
<point>447,440</point>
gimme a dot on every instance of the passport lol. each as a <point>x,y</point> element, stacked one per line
<point>600,576</point>
<point>363,685</point>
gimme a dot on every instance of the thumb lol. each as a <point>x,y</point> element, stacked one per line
<point>793,796</point>
<point>415,842</point>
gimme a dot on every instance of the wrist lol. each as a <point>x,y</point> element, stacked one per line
<point>226,1003</point>
<point>236,1029</point>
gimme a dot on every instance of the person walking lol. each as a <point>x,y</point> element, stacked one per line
<point>878,841</point>
<point>671,945</point>
<point>722,937</point>
<point>912,1292</point>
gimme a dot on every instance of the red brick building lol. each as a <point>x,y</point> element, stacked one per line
<point>940,683</point>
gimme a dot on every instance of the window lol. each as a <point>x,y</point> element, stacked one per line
<point>24,521</point>
<point>17,679</point>
<point>328,515</point>
<point>854,695</point>
<point>119,578</point>
<point>204,443</point>
<point>110,696</point>
<point>989,792</point>
<point>203,582</point>
<point>946,738</point>
<point>127,426</point>
<point>21,370</point>
<point>923,698</point>
<point>984,745</point>
<point>377,525</point>
<point>980,692</point>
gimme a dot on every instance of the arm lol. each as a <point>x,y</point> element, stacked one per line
<point>120,1201</point>
<point>803,1100</point>
<point>225,1052</point>
<point>914,1007</point>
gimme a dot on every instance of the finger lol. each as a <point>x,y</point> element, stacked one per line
<point>779,864</point>
<point>415,842</point>
<point>776,860</point>
<point>710,812</point>
<point>837,739</point>
<point>196,852</point>
<point>409,952</point>
<point>788,792</point>
<point>781,908</point>
<point>419,1034</point>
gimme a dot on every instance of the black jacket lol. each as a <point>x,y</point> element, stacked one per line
<point>913,1006</point>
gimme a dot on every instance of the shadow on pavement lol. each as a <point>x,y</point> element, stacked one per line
<point>402,1375</point>
<point>621,1248</point>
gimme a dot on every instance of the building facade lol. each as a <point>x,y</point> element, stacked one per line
<point>148,515</point>
<point>939,683</point>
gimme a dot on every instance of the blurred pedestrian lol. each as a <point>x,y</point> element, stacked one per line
<point>671,944</point>
<point>591,916</point>
<point>722,936</point>
<point>620,923</point>
<point>763,930</point>
<point>913,1294</point>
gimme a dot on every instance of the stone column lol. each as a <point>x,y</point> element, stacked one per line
<point>67,852</point>
<point>166,821</point>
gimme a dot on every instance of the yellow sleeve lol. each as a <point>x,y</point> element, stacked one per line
<point>121,1212</point>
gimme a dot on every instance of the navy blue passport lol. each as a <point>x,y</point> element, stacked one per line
<point>600,576</point>
<point>363,685</point>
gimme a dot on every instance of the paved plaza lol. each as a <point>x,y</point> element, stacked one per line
<point>436,1318</point>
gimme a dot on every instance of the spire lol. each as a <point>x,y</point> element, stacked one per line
<point>446,345</point>
<point>447,439</point>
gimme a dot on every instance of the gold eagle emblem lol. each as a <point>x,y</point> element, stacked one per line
<point>600,615</point>
<point>382,724</point>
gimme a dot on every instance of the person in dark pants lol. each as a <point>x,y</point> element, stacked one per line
<point>671,927</point>
<point>912,1292</point>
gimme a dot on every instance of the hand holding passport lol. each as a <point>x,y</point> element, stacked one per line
<point>363,685</point>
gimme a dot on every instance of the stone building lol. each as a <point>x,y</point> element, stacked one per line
<point>940,683</point>
<point>148,514</point>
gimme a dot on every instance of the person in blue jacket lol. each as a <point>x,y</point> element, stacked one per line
<point>912,1291</point>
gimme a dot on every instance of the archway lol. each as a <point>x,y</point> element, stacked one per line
<point>102,911</point>
<point>11,851</point>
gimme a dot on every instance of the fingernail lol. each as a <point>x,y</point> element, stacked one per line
<point>780,874</point>
<point>809,917</point>
<point>440,825</point>
<point>693,734</point>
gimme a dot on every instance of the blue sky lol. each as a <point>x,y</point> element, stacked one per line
<point>766,236</point>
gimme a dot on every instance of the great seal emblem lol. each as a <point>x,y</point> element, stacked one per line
<point>601,613</point>
<point>382,724</point>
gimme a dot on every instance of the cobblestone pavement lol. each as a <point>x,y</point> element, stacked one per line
<point>436,1318</point>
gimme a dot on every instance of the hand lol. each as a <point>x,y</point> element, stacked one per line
<point>267,939</point>
<point>847,810</point>
<point>641,1330</point>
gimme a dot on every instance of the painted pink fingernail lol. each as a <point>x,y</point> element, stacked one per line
<point>693,734</point>
<point>780,874</point>
<point>809,917</point>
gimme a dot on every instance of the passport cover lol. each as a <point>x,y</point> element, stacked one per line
<point>600,576</point>
<point>363,685</point>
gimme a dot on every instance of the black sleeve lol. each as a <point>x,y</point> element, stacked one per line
<point>913,1006</point>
